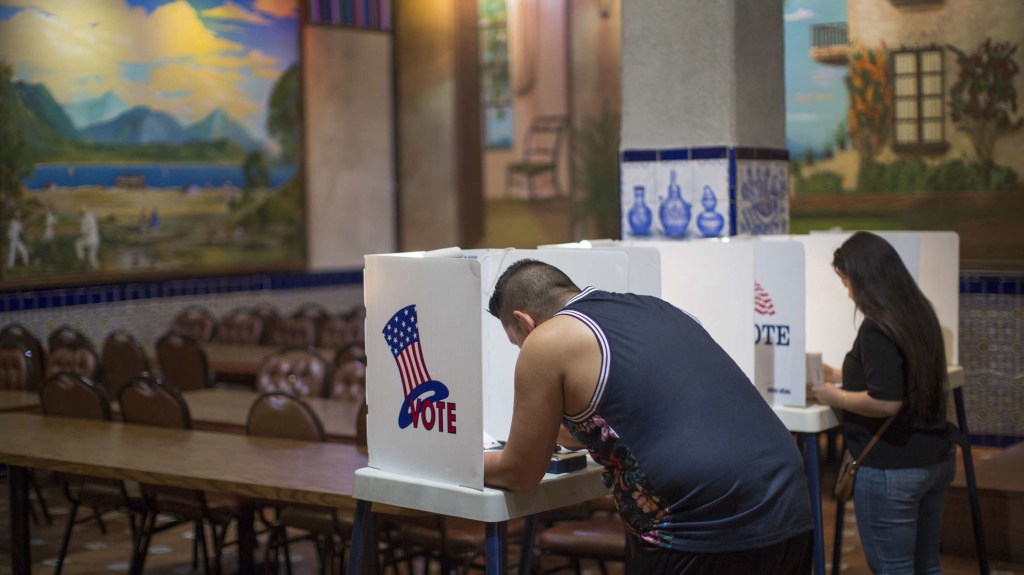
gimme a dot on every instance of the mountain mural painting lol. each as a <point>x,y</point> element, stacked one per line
<point>152,153</point>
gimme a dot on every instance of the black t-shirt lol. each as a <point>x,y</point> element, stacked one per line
<point>877,364</point>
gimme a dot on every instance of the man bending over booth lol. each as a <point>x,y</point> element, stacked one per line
<point>706,478</point>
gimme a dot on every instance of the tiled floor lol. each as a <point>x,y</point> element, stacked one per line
<point>170,554</point>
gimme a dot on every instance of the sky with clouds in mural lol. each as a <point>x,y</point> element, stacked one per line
<point>183,57</point>
<point>816,99</point>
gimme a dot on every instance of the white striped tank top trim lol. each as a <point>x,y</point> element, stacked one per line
<point>602,342</point>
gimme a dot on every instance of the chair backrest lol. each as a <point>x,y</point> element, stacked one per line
<point>335,332</point>
<point>544,139</point>
<point>197,322</point>
<point>349,381</point>
<point>17,370</point>
<point>78,357</point>
<point>183,362</point>
<point>123,357</point>
<point>350,351</point>
<point>313,311</point>
<point>302,372</point>
<point>240,325</point>
<point>145,399</point>
<point>16,331</point>
<point>293,332</point>
<point>64,335</point>
<point>270,315</point>
<point>278,414</point>
<point>67,394</point>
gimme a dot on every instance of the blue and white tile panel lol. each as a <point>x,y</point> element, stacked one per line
<point>725,191</point>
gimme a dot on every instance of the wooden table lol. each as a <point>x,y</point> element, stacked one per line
<point>245,359</point>
<point>221,409</point>
<point>250,467</point>
<point>18,400</point>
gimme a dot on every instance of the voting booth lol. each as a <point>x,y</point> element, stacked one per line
<point>713,280</point>
<point>439,366</point>
<point>932,258</point>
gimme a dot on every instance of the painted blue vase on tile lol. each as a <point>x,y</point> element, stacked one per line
<point>640,216</point>
<point>710,222</point>
<point>675,211</point>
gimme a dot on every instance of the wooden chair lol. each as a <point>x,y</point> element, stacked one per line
<point>64,335</point>
<point>600,538</point>
<point>17,368</point>
<point>18,373</point>
<point>77,356</point>
<point>67,394</point>
<point>240,325</point>
<point>292,332</point>
<point>301,372</point>
<point>197,322</point>
<point>281,415</point>
<point>313,311</point>
<point>183,362</point>
<point>335,332</point>
<point>541,150</point>
<point>270,315</point>
<point>144,399</point>
<point>123,357</point>
<point>349,381</point>
<point>33,345</point>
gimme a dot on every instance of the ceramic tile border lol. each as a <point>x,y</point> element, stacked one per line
<point>38,299</point>
<point>729,153</point>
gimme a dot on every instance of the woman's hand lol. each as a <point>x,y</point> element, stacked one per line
<point>828,394</point>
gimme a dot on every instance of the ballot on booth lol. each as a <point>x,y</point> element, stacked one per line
<point>439,367</point>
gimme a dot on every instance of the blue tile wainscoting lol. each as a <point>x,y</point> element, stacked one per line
<point>992,355</point>
<point>146,308</point>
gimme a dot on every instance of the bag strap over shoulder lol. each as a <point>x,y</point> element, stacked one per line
<point>878,434</point>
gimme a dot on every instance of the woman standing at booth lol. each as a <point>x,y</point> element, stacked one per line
<point>897,367</point>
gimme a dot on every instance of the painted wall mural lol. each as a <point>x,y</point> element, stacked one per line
<point>149,136</point>
<point>907,116</point>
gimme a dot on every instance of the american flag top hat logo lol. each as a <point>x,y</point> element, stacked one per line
<point>763,301</point>
<point>423,404</point>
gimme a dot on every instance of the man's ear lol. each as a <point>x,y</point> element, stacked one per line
<point>525,321</point>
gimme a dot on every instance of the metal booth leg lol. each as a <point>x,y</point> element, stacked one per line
<point>972,486</point>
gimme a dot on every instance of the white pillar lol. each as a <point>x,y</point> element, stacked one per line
<point>704,107</point>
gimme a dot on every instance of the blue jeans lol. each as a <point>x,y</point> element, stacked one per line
<point>899,516</point>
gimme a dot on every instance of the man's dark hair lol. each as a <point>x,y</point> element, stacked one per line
<point>531,286</point>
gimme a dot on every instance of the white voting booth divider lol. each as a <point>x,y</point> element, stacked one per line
<point>713,281</point>
<point>932,258</point>
<point>439,367</point>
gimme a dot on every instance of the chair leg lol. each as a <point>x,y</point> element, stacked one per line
<point>67,538</point>
<point>99,520</point>
<point>34,486</point>
<point>287,550</point>
<point>142,544</point>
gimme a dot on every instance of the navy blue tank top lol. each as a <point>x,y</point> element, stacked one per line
<point>696,459</point>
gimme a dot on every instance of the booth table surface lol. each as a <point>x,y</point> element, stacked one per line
<point>250,467</point>
<point>18,400</point>
<point>490,505</point>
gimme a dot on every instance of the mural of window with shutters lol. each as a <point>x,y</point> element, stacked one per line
<point>918,93</point>
<point>495,86</point>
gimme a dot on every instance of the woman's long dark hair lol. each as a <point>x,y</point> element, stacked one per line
<point>885,292</point>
